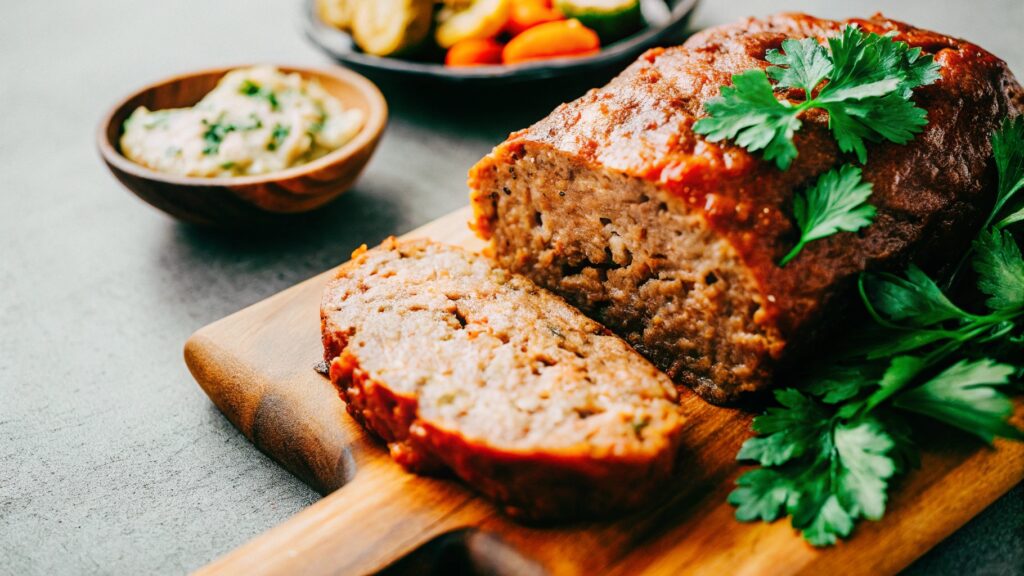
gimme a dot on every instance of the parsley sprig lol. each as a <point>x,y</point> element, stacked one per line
<point>831,447</point>
<point>866,81</point>
<point>838,201</point>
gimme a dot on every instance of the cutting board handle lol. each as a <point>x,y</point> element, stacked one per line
<point>373,513</point>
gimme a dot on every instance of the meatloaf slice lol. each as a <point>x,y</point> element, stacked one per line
<point>458,365</point>
<point>672,241</point>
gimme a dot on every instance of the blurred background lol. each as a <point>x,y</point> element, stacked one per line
<point>111,458</point>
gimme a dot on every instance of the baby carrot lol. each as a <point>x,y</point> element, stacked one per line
<point>526,14</point>
<point>560,39</point>
<point>474,52</point>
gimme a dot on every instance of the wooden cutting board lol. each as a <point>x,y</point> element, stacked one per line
<point>257,366</point>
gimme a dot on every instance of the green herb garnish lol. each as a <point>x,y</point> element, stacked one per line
<point>837,202</point>
<point>829,450</point>
<point>823,472</point>
<point>254,90</point>
<point>214,135</point>
<point>278,136</point>
<point>868,80</point>
<point>966,396</point>
<point>1009,156</point>
<point>1000,269</point>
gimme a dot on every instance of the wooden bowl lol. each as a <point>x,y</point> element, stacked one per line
<point>245,200</point>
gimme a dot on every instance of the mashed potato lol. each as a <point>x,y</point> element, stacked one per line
<point>256,121</point>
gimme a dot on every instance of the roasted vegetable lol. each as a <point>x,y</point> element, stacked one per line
<point>389,27</point>
<point>611,19</point>
<point>562,39</point>
<point>337,13</point>
<point>526,14</point>
<point>474,52</point>
<point>479,19</point>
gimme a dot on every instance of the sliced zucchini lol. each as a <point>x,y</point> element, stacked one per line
<point>611,19</point>
<point>478,19</point>
<point>389,27</point>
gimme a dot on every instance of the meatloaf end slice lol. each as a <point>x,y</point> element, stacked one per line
<point>461,366</point>
<point>615,203</point>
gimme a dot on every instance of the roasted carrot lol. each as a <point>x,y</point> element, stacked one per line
<point>526,14</point>
<point>560,39</point>
<point>474,52</point>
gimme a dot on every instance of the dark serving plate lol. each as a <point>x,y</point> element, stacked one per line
<point>666,24</point>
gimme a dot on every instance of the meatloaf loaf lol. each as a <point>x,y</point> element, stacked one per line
<point>672,241</point>
<point>461,366</point>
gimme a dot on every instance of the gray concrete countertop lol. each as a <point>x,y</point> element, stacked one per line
<point>111,458</point>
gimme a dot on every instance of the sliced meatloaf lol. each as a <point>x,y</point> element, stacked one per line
<point>461,366</point>
<point>672,241</point>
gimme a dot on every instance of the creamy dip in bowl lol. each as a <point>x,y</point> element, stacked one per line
<point>255,191</point>
<point>255,121</point>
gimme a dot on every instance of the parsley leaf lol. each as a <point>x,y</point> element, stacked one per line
<point>836,383</point>
<point>828,522</point>
<point>802,64</point>
<point>913,298</point>
<point>919,70</point>
<point>1000,269</point>
<point>869,80</point>
<point>881,342</point>
<point>965,396</point>
<point>871,65</point>
<point>761,494</point>
<point>1017,216</point>
<point>862,449</point>
<point>1008,152</point>
<point>838,474</point>
<point>837,202</point>
<point>1008,149</point>
<point>748,113</point>
<point>889,117</point>
<point>787,432</point>
<point>901,371</point>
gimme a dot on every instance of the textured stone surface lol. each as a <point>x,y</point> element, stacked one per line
<point>111,458</point>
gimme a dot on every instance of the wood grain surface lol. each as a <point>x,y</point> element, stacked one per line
<point>258,367</point>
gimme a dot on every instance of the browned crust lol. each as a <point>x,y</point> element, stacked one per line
<point>929,193</point>
<point>533,486</point>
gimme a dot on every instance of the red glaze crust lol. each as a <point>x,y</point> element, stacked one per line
<point>930,193</point>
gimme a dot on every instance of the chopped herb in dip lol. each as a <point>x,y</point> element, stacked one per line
<point>278,136</point>
<point>256,121</point>
<point>254,90</point>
